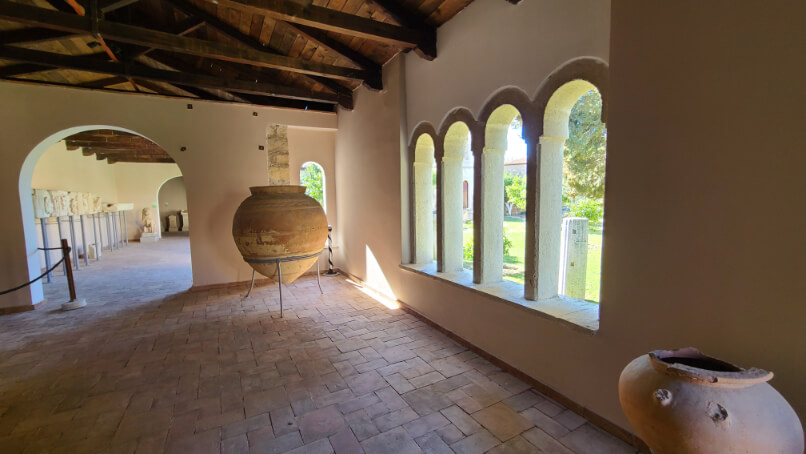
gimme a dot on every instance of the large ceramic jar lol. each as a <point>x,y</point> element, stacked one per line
<point>682,402</point>
<point>279,222</point>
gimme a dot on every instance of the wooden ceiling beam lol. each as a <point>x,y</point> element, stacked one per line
<point>413,20</point>
<point>338,22</point>
<point>322,39</point>
<point>29,68</point>
<point>151,38</point>
<point>253,74</point>
<point>171,77</point>
<point>22,68</point>
<point>233,33</point>
<point>105,82</point>
<point>33,35</point>
<point>107,6</point>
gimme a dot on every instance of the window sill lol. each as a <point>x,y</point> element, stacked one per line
<point>577,314</point>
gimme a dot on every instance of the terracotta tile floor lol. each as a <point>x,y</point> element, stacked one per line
<point>149,367</point>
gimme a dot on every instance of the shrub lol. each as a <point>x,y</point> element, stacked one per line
<point>467,250</point>
<point>593,209</point>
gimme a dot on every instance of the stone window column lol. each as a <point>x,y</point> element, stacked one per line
<point>492,214</point>
<point>423,213</point>
<point>549,225</point>
<point>452,190</point>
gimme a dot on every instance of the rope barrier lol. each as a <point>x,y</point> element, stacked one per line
<point>49,248</point>
<point>31,282</point>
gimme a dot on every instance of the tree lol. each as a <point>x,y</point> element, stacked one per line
<point>584,156</point>
<point>311,177</point>
<point>514,192</point>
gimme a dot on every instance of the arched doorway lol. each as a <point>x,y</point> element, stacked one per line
<point>102,182</point>
<point>173,207</point>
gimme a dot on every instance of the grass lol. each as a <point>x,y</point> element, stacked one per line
<point>515,230</point>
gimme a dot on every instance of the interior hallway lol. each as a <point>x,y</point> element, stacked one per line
<point>149,367</point>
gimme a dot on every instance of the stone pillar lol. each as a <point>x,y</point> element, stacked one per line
<point>573,257</point>
<point>550,219</point>
<point>451,214</point>
<point>277,151</point>
<point>423,213</point>
<point>492,214</point>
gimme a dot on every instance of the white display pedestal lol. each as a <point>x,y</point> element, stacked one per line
<point>173,226</point>
<point>150,237</point>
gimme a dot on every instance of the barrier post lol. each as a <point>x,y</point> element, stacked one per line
<point>74,302</point>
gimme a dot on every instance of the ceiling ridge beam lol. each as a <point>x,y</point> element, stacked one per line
<point>171,77</point>
<point>246,40</point>
<point>166,41</point>
<point>338,22</point>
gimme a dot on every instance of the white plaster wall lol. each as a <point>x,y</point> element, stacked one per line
<point>69,170</point>
<point>368,165</point>
<point>317,145</point>
<point>221,161</point>
<point>703,159</point>
<point>490,45</point>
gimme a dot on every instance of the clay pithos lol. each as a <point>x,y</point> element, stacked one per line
<point>279,222</point>
<point>684,402</point>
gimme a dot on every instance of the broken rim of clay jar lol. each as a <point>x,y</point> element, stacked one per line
<point>692,365</point>
<point>279,189</point>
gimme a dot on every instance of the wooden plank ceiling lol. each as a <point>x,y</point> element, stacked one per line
<point>304,54</point>
<point>117,146</point>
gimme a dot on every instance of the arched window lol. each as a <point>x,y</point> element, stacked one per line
<point>455,170</point>
<point>572,197</point>
<point>312,176</point>
<point>503,238</point>
<point>424,182</point>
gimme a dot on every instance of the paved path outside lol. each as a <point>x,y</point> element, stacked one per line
<point>149,367</point>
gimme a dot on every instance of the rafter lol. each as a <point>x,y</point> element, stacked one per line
<point>33,35</point>
<point>337,21</point>
<point>246,40</point>
<point>171,61</point>
<point>166,41</point>
<point>320,38</point>
<point>171,77</point>
<point>107,6</point>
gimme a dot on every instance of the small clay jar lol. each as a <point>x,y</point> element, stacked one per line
<point>684,402</point>
<point>279,222</point>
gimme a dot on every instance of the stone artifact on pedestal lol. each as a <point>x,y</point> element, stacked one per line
<point>185,221</point>
<point>97,204</point>
<point>173,226</point>
<point>278,222</point>
<point>85,203</point>
<point>60,203</point>
<point>73,203</point>
<point>684,402</point>
<point>150,233</point>
<point>43,203</point>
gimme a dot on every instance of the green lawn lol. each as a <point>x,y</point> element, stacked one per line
<point>515,230</point>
